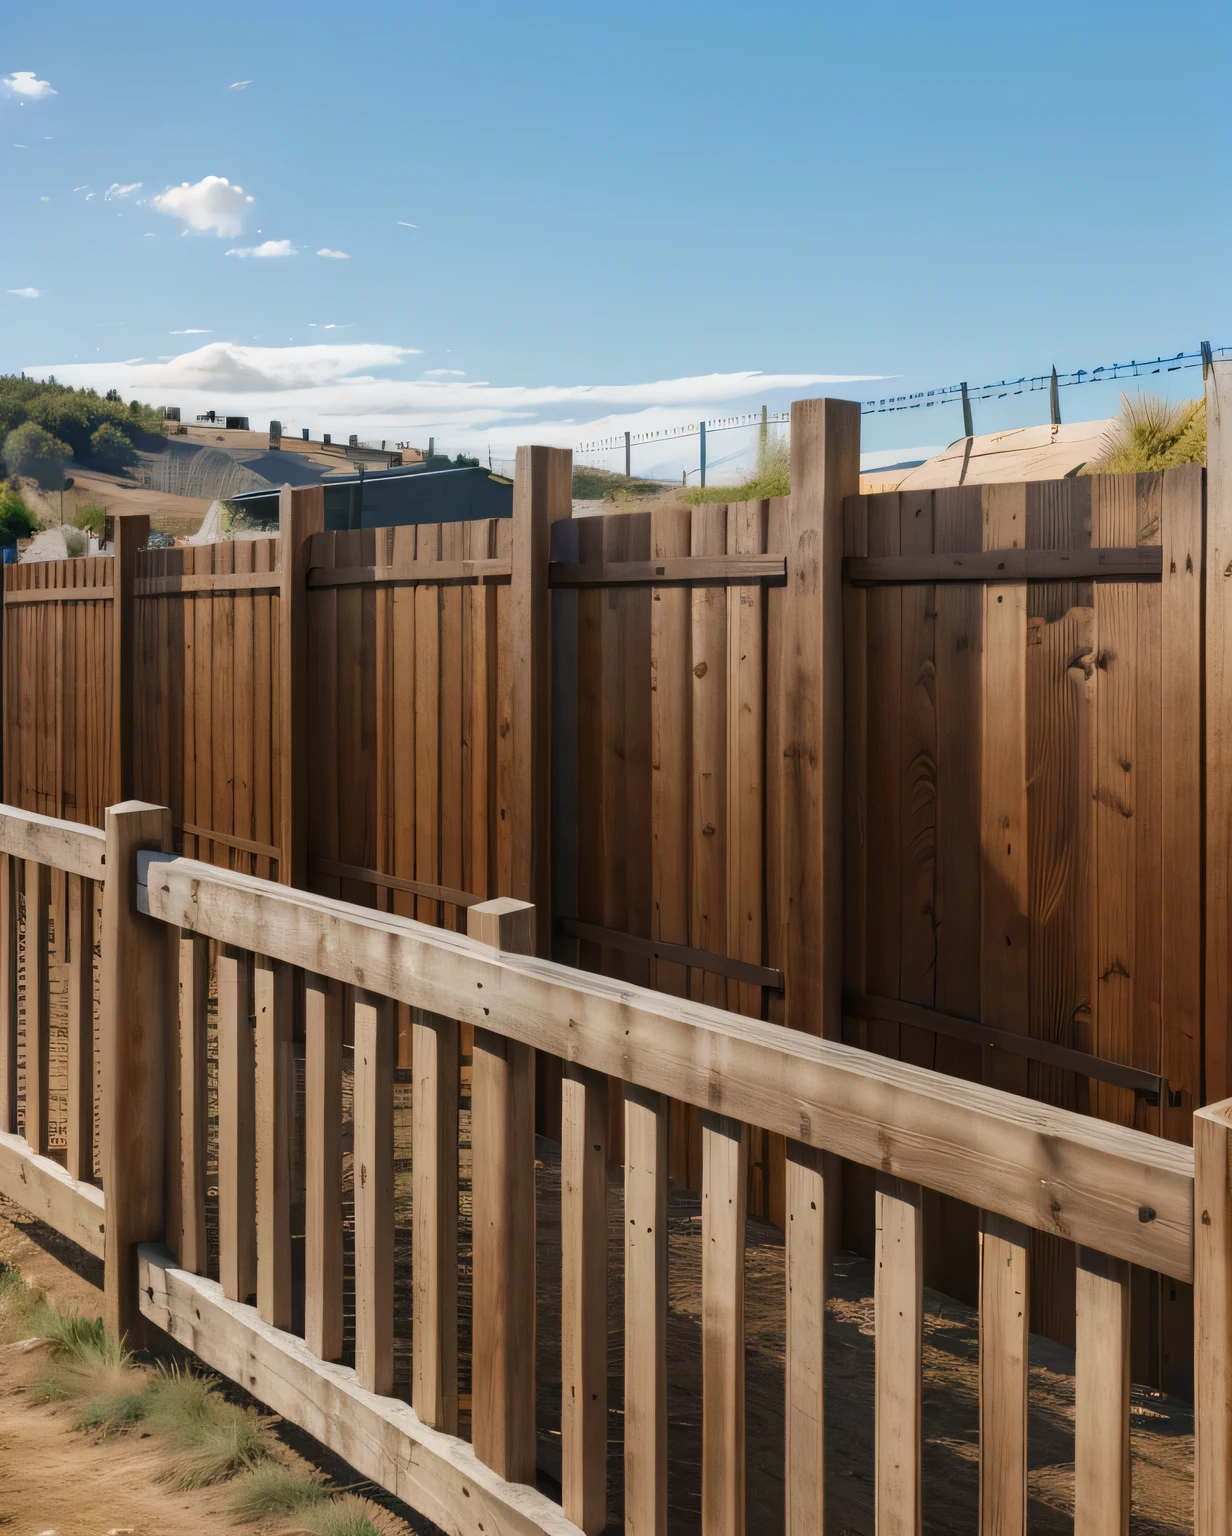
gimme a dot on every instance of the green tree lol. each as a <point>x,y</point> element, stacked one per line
<point>112,449</point>
<point>32,452</point>
<point>15,519</point>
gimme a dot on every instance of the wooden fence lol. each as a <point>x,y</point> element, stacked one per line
<point>1122,1195</point>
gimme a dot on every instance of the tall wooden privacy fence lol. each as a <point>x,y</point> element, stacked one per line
<point>1124,1196</point>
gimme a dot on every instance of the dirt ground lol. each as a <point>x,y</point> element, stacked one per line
<point>54,1479</point>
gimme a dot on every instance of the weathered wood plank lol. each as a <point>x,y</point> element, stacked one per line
<point>374,1193</point>
<point>899,1312</point>
<point>323,1172</point>
<point>725,1153</point>
<point>584,1237</point>
<point>37,899</point>
<point>646,1152</point>
<point>812,1182</point>
<point>1101,1397</point>
<point>43,1188</point>
<point>274,1008</point>
<point>194,982</point>
<point>1004,1330</point>
<point>79,850</point>
<point>237,1144</point>
<point>1213,1313</point>
<point>434,1206</point>
<point>1033,1162</point>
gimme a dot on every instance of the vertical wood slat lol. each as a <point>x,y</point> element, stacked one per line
<point>725,1155</point>
<point>193,1106</point>
<point>883,959</point>
<point>503,1206</point>
<point>323,1172</point>
<point>898,1309</point>
<point>1217,684</point>
<point>273,1008</point>
<point>811,1186</point>
<point>583,1288</point>
<point>1004,1329</point>
<point>237,1190</point>
<point>38,1005</point>
<point>1101,1397</point>
<point>374,1192</point>
<point>79,952</point>
<point>1213,1312</point>
<point>434,1206</point>
<point>1004,971</point>
<point>709,762</point>
<point>8,986</point>
<point>646,1154</point>
<point>301,514</point>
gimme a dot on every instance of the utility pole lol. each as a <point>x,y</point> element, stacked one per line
<point>968,429</point>
<point>1054,398</point>
<point>703,455</point>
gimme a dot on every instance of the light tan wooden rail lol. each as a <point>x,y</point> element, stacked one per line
<point>31,848</point>
<point>1122,1196</point>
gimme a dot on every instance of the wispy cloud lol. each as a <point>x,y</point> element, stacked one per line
<point>239,85</point>
<point>191,330</point>
<point>28,293</point>
<point>405,225</point>
<point>119,189</point>
<point>444,373</point>
<point>266,248</point>
<point>334,255</point>
<point>22,82</point>
<point>209,205</point>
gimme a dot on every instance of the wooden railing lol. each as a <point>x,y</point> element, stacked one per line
<point>37,853</point>
<point>1122,1196</point>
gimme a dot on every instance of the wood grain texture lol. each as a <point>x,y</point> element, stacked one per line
<point>374,1193</point>
<point>194,983</point>
<point>36,896</point>
<point>237,1133</point>
<point>1033,1162</point>
<point>884,942</point>
<point>825,456</point>
<point>810,1184</point>
<point>274,1009</point>
<point>8,993</point>
<point>301,514</point>
<point>584,1237</point>
<point>1101,1397</point>
<point>646,1152</point>
<point>434,1206</point>
<point>323,1029</point>
<point>503,1202</point>
<point>1004,1328</point>
<point>725,1154</point>
<point>136,998</point>
<point>1004,972</point>
<point>1217,981</point>
<point>1213,1317</point>
<point>899,1310</point>
<point>79,952</point>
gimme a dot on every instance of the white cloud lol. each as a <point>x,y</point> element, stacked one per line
<point>266,248</point>
<point>357,386</point>
<point>211,204</point>
<point>334,255</point>
<point>444,373</point>
<point>117,190</point>
<point>22,82</point>
<point>44,199</point>
<point>28,293</point>
<point>405,225</point>
<point>192,330</point>
<point>239,85</point>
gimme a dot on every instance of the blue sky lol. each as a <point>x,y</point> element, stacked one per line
<point>617,213</point>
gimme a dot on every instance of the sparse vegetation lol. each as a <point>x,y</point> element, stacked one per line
<point>346,1516</point>
<point>16,519</point>
<point>772,478</point>
<point>602,485</point>
<point>1152,433</point>
<point>90,518</point>
<point>275,1489</point>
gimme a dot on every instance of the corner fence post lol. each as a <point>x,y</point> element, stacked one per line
<point>131,532</point>
<point>1217,691</point>
<point>1213,1319</point>
<point>138,1016</point>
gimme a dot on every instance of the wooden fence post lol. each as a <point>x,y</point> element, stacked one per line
<point>542,495</point>
<point>137,1017</point>
<point>503,1203</point>
<point>825,467</point>
<point>1217,682</point>
<point>1213,1320</point>
<point>131,532</point>
<point>301,513</point>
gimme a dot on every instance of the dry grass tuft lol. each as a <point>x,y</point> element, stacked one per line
<point>1152,433</point>
<point>349,1515</point>
<point>275,1489</point>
